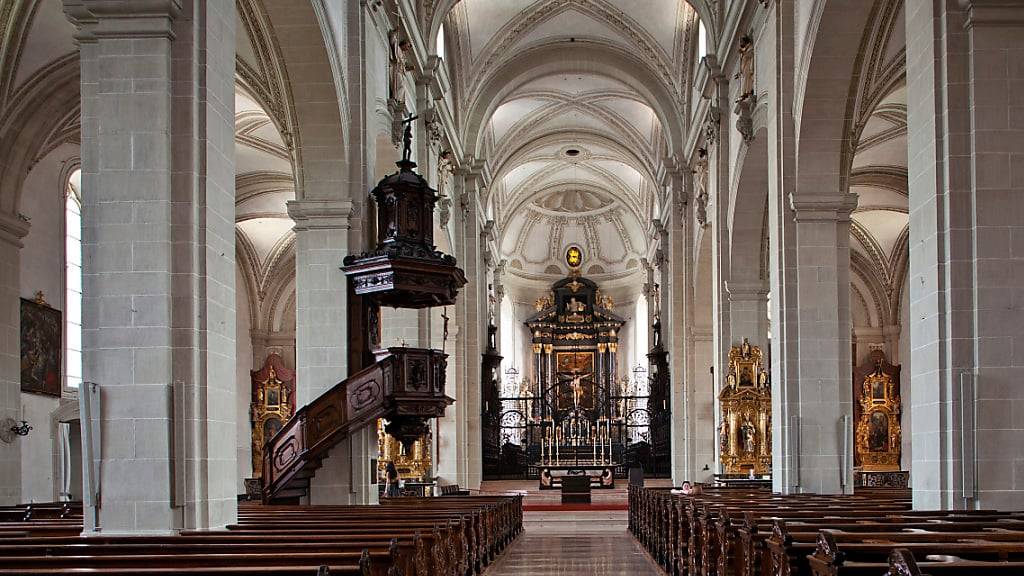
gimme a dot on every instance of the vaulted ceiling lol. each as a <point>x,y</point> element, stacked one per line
<point>574,145</point>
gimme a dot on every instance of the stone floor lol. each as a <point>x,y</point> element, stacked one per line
<point>574,543</point>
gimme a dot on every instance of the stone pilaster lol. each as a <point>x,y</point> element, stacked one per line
<point>12,230</point>
<point>966,153</point>
<point>823,393</point>
<point>158,258</point>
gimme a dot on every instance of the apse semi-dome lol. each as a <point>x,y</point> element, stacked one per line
<point>536,237</point>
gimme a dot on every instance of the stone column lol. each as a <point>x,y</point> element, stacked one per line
<point>459,433</point>
<point>822,388</point>
<point>158,259</point>
<point>966,150</point>
<point>748,313</point>
<point>321,338</point>
<point>12,230</point>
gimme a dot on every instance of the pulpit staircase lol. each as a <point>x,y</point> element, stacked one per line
<point>405,386</point>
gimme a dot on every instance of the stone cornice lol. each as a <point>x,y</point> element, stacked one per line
<point>823,207</point>
<point>122,18</point>
<point>321,214</point>
<point>993,13</point>
<point>13,229</point>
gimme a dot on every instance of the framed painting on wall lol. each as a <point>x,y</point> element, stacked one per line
<point>41,343</point>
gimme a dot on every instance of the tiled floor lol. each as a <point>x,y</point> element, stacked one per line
<point>571,543</point>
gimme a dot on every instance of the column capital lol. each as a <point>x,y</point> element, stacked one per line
<point>823,207</point>
<point>746,291</point>
<point>122,18</point>
<point>321,214</point>
<point>995,13</point>
<point>13,229</point>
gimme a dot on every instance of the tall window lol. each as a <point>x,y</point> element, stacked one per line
<point>439,47</point>
<point>73,281</point>
<point>702,40</point>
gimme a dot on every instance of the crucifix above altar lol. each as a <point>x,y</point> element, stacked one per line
<point>575,342</point>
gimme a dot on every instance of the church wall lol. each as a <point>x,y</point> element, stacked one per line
<point>42,269</point>
<point>243,392</point>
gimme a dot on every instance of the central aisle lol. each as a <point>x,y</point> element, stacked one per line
<point>574,543</point>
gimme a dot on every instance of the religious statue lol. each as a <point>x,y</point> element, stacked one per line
<point>397,67</point>
<point>723,435</point>
<point>746,71</point>
<point>747,436</point>
<point>575,305</point>
<point>577,388</point>
<point>444,174</point>
<point>700,181</point>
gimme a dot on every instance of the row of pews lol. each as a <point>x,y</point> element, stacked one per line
<point>41,519</point>
<point>725,531</point>
<point>454,536</point>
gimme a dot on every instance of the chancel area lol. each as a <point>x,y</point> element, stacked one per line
<point>457,287</point>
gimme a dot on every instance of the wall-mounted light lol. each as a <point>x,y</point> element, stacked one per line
<point>11,429</point>
<point>21,430</point>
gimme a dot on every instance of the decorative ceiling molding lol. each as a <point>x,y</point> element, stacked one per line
<point>892,178</point>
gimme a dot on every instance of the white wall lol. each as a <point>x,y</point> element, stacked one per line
<point>42,269</point>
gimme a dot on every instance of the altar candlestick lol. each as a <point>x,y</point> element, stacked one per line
<point>594,443</point>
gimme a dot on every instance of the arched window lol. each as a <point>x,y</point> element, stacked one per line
<point>73,281</point>
<point>702,40</point>
<point>439,47</point>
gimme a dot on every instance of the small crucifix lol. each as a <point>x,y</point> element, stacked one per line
<point>407,137</point>
<point>444,333</point>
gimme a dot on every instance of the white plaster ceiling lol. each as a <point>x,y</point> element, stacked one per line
<point>879,226</point>
<point>263,186</point>
<point>544,199</point>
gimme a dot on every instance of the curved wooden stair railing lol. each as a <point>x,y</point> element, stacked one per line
<point>405,387</point>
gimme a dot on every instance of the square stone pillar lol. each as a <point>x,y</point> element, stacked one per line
<point>821,395</point>
<point>158,259</point>
<point>322,240</point>
<point>12,230</point>
<point>965,116</point>
<point>748,313</point>
<point>459,442</point>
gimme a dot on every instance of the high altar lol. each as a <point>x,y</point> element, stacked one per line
<point>745,430</point>
<point>576,415</point>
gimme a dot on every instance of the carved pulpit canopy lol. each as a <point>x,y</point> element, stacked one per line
<point>877,410</point>
<point>273,404</point>
<point>746,407</point>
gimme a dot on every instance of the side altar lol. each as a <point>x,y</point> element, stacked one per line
<point>576,416</point>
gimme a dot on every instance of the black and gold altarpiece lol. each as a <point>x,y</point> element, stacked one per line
<point>574,413</point>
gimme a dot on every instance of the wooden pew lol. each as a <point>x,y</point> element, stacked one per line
<point>936,559</point>
<point>420,537</point>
